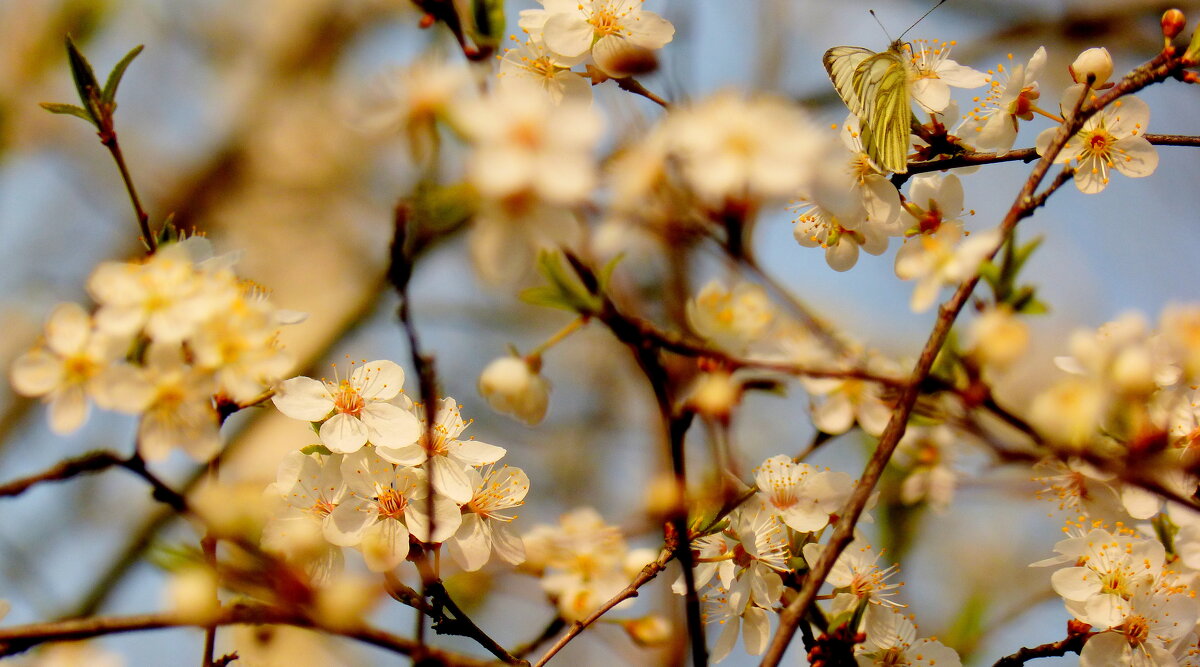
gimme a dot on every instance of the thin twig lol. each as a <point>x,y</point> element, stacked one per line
<point>632,85</point>
<point>631,591</point>
<point>108,137</point>
<point>17,639</point>
<point>91,462</point>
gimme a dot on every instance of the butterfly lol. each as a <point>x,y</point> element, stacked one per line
<point>876,88</point>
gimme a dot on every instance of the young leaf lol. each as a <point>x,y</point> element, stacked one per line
<point>85,81</point>
<point>68,110</point>
<point>114,77</point>
<point>316,449</point>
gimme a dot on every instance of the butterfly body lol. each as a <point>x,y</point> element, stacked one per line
<point>875,86</point>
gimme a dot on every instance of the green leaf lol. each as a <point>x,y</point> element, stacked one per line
<point>606,271</point>
<point>68,110</point>
<point>547,297</point>
<point>114,77</point>
<point>990,273</point>
<point>316,449</point>
<point>85,81</point>
<point>1193,49</point>
<point>1023,253</point>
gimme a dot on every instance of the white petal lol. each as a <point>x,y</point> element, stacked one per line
<point>68,409</point>
<point>343,434</point>
<point>478,453</point>
<point>348,523</point>
<point>36,373</point>
<point>1135,158</point>
<point>470,547</point>
<point>68,329</point>
<point>391,426</point>
<point>568,34</point>
<point>450,479</point>
<point>303,398</point>
<point>385,545</point>
<point>378,380</point>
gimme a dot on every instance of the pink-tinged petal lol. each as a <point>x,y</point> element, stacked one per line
<point>68,329</point>
<point>378,380</point>
<point>477,453</point>
<point>303,398</point>
<point>450,479</point>
<point>1135,157</point>
<point>507,544</point>
<point>348,523</point>
<point>650,31</point>
<point>391,426</point>
<point>343,434</point>
<point>385,545</point>
<point>68,409</point>
<point>36,373</point>
<point>470,547</point>
<point>568,34</point>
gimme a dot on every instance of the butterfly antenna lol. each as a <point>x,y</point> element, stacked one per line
<point>939,4</point>
<point>881,27</point>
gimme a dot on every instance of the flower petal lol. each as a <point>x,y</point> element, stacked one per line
<point>303,398</point>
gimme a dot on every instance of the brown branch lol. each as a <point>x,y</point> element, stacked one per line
<point>89,463</point>
<point>1162,67</point>
<point>971,158</point>
<point>1077,636</point>
<point>634,86</point>
<point>631,591</point>
<point>17,639</point>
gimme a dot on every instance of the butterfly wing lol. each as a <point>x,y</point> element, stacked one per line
<point>881,83</point>
<point>841,62</point>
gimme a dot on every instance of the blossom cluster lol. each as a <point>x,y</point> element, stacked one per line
<point>174,337</point>
<point>376,483</point>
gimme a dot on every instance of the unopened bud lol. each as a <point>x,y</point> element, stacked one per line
<point>1095,64</point>
<point>662,495</point>
<point>715,394</point>
<point>1173,23</point>
<point>192,594</point>
<point>511,386</point>
<point>648,631</point>
<point>345,602</point>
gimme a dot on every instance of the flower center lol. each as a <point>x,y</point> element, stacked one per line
<point>391,503</point>
<point>348,400</point>
<point>1137,630</point>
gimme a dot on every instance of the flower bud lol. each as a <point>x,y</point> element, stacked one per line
<point>346,601</point>
<point>1094,62</point>
<point>715,394</point>
<point>512,387</point>
<point>997,338</point>
<point>192,594</point>
<point>648,631</point>
<point>1173,23</point>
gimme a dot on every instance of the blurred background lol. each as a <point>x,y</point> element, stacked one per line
<point>238,118</point>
